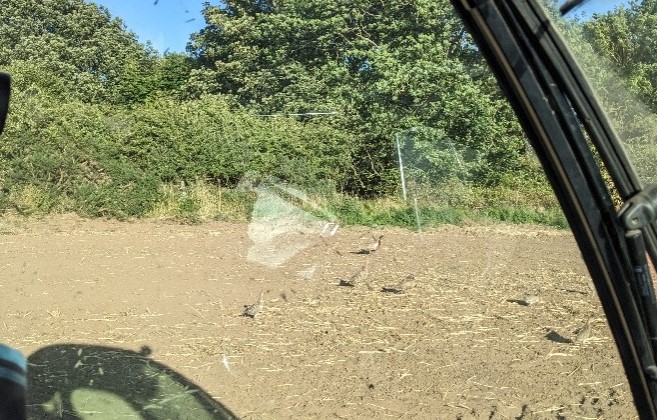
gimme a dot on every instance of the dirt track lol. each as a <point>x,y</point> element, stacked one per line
<point>458,344</point>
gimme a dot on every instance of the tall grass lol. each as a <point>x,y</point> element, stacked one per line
<point>201,201</point>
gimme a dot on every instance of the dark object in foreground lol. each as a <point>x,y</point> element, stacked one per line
<point>119,383</point>
<point>13,384</point>
<point>5,93</point>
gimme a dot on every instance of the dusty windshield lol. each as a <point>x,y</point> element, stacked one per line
<point>293,209</point>
<point>613,44</point>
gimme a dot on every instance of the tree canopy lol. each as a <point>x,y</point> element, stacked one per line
<point>384,67</point>
<point>627,36</point>
<point>244,97</point>
<point>71,48</point>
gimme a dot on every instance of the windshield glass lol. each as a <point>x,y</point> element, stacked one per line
<point>293,209</point>
<point>612,43</point>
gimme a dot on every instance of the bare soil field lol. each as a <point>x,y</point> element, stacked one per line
<point>144,320</point>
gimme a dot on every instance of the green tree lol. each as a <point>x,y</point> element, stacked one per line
<point>627,36</point>
<point>77,43</point>
<point>162,76</point>
<point>384,67</point>
<point>614,49</point>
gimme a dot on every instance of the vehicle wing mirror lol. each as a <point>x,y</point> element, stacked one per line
<point>5,91</point>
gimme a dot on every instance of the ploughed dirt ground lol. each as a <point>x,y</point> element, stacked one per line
<point>113,314</point>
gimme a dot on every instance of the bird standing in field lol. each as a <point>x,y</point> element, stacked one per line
<point>401,286</point>
<point>359,276</point>
<point>584,333</point>
<point>253,310</point>
<point>371,248</point>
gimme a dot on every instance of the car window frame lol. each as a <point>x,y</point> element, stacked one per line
<point>567,127</point>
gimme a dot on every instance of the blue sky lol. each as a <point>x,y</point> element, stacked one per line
<point>597,6</point>
<point>167,24</point>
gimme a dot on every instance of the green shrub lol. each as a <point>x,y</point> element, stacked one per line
<point>100,161</point>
